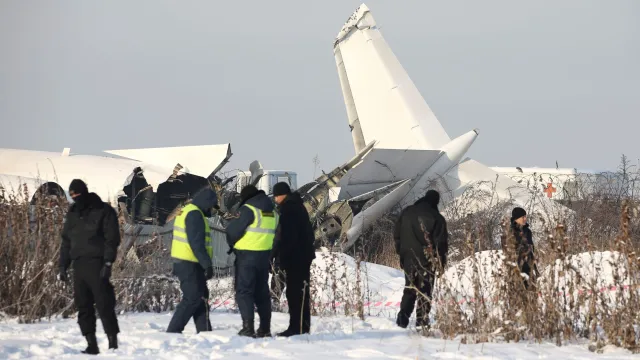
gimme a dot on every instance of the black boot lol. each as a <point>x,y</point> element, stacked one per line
<point>92,345</point>
<point>248,329</point>
<point>287,333</point>
<point>113,341</point>
<point>402,320</point>
<point>264,330</point>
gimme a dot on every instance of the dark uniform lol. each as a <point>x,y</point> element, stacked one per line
<point>90,238</point>
<point>294,251</point>
<point>250,236</point>
<point>524,243</point>
<point>421,240</point>
<point>191,250</point>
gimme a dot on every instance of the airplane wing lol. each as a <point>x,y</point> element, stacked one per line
<point>382,102</point>
<point>198,160</point>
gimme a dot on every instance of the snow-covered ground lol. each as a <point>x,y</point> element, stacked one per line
<point>143,337</point>
<point>332,337</point>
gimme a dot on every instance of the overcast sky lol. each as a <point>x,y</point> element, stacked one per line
<point>542,80</point>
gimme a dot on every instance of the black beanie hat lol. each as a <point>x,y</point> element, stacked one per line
<point>517,213</point>
<point>247,193</point>
<point>78,186</point>
<point>281,188</point>
<point>432,197</point>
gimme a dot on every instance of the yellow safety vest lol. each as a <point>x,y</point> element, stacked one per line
<point>259,235</point>
<point>180,248</point>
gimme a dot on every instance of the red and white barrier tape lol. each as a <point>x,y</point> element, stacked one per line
<point>228,303</point>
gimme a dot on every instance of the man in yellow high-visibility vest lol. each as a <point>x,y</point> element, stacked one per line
<point>250,236</point>
<point>191,250</point>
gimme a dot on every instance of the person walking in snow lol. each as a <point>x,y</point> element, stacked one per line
<point>524,242</point>
<point>250,236</point>
<point>192,250</point>
<point>293,249</point>
<point>422,242</point>
<point>90,239</point>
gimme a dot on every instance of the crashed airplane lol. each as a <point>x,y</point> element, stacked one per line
<point>404,148</point>
<point>401,150</point>
<point>401,147</point>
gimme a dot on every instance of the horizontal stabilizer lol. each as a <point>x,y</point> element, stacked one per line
<point>198,160</point>
<point>381,167</point>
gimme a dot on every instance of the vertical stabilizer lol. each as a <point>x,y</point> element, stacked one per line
<point>382,102</point>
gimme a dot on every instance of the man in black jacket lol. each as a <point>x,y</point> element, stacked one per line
<point>524,242</point>
<point>194,272</point>
<point>422,242</point>
<point>90,238</point>
<point>252,242</point>
<point>294,251</point>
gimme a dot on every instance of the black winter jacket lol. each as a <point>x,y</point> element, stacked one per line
<point>205,200</point>
<point>238,226</point>
<point>524,241</point>
<point>293,245</point>
<point>90,231</point>
<point>421,226</point>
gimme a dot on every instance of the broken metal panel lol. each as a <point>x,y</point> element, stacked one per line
<point>222,163</point>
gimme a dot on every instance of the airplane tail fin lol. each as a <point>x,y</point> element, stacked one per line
<point>382,102</point>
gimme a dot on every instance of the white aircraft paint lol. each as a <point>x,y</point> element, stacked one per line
<point>104,175</point>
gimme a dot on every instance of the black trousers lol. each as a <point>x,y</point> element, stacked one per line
<point>252,286</point>
<point>418,274</point>
<point>194,298</point>
<point>298,281</point>
<point>90,288</point>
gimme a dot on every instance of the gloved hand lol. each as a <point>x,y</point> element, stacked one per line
<point>208,273</point>
<point>62,275</point>
<point>105,273</point>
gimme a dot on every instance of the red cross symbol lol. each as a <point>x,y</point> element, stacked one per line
<point>549,190</point>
